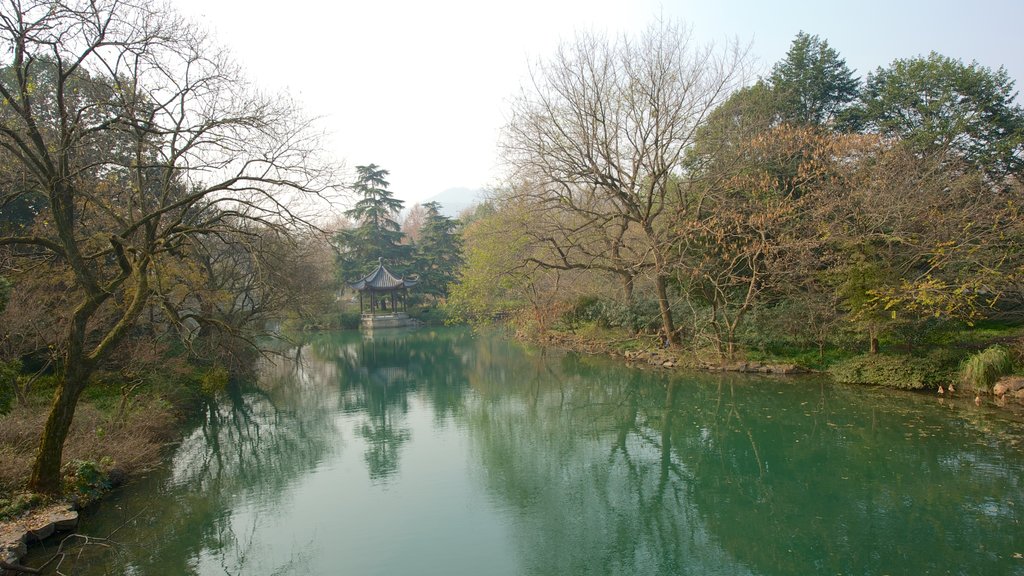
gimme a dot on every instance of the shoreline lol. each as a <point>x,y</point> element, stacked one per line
<point>1007,393</point>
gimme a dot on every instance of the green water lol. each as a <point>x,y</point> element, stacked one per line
<point>443,452</point>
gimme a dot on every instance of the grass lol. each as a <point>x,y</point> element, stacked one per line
<point>980,371</point>
<point>806,357</point>
<point>118,434</point>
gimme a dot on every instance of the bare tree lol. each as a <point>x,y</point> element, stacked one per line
<point>143,139</point>
<point>601,132</point>
<point>412,224</point>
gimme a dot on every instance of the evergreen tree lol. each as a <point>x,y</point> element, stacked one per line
<point>812,83</point>
<point>439,252</point>
<point>377,233</point>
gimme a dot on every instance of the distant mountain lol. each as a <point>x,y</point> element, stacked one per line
<point>455,200</point>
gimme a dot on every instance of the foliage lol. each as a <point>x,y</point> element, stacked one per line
<point>11,508</point>
<point>980,371</point>
<point>350,319</point>
<point>214,380</point>
<point>747,242</point>
<point>909,239</point>
<point>895,370</point>
<point>939,104</point>
<point>639,315</point>
<point>86,480</point>
<point>133,186</point>
<point>431,315</point>
<point>812,84</point>
<point>5,292</point>
<point>438,253</point>
<point>377,235</point>
<point>493,281</point>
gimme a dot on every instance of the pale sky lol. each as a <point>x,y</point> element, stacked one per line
<point>421,88</point>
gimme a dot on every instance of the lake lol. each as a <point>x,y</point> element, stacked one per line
<point>442,451</point>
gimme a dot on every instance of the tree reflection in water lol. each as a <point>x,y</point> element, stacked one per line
<point>377,374</point>
<point>585,466</point>
<point>614,471</point>
<point>247,446</point>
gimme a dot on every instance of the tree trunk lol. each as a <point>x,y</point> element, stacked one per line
<point>627,287</point>
<point>666,311</point>
<point>873,337</point>
<point>46,477</point>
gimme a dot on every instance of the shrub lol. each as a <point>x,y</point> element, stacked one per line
<point>350,319</point>
<point>85,481</point>
<point>981,370</point>
<point>214,380</point>
<point>893,371</point>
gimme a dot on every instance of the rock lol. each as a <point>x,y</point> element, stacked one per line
<point>13,551</point>
<point>42,532</point>
<point>1008,385</point>
<point>67,520</point>
<point>668,364</point>
<point>36,525</point>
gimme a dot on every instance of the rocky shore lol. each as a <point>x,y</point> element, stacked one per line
<point>38,524</point>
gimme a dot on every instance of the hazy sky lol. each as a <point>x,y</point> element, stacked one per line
<point>421,87</point>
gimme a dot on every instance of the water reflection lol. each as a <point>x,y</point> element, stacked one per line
<point>613,471</point>
<point>437,451</point>
<point>378,372</point>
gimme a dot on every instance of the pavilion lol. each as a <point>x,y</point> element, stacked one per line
<point>376,290</point>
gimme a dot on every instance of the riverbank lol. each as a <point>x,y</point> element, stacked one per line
<point>646,352</point>
<point>937,370</point>
<point>119,431</point>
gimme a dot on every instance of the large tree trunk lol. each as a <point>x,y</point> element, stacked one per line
<point>77,368</point>
<point>46,477</point>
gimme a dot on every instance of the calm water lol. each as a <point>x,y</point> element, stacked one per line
<point>441,452</point>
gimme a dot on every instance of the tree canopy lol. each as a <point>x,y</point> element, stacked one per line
<point>938,104</point>
<point>377,233</point>
<point>129,140</point>
<point>812,84</point>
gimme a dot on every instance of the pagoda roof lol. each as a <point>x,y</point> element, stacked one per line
<point>382,279</point>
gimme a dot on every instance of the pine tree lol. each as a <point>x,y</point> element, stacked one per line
<point>439,252</point>
<point>812,83</point>
<point>377,234</point>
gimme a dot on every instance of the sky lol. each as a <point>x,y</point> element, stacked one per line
<point>422,88</point>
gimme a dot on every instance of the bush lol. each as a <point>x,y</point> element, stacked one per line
<point>981,370</point>
<point>214,380</point>
<point>895,370</point>
<point>350,319</point>
<point>85,481</point>
<point>640,315</point>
